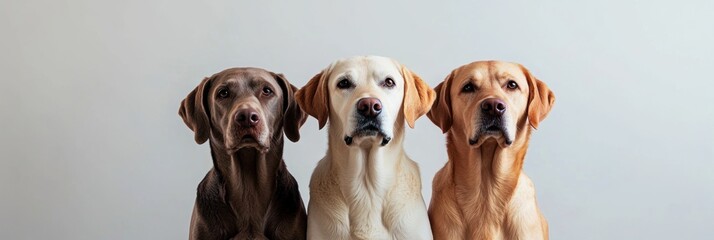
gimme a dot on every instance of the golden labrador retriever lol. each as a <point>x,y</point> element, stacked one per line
<point>366,187</point>
<point>487,110</point>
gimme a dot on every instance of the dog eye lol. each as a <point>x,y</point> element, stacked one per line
<point>468,88</point>
<point>344,84</point>
<point>223,93</point>
<point>267,91</point>
<point>512,84</point>
<point>389,83</point>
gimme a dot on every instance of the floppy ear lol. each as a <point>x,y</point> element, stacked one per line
<point>293,116</point>
<point>194,112</point>
<point>540,99</point>
<point>418,96</point>
<point>313,98</point>
<point>440,113</point>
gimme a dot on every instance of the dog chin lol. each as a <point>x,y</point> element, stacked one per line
<point>500,136</point>
<point>369,134</point>
<point>248,142</point>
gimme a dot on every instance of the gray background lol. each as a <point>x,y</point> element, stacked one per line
<point>92,147</point>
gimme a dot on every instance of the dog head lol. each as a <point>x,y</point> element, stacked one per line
<point>366,98</point>
<point>490,100</point>
<point>243,108</point>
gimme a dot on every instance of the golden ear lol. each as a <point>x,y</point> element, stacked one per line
<point>194,112</point>
<point>418,96</point>
<point>440,113</point>
<point>313,98</point>
<point>540,99</point>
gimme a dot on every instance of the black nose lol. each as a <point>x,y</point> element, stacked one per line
<point>247,118</point>
<point>493,107</point>
<point>369,107</point>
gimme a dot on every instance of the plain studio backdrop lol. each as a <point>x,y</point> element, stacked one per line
<point>92,147</point>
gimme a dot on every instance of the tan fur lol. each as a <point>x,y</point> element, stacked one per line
<point>314,98</point>
<point>418,96</point>
<point>482,193</point>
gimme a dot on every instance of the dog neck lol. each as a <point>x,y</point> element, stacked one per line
<point>366,165</point>
<point>249,176</point>
<point>486,175</point>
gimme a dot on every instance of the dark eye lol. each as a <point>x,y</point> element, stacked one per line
<point>389,83</point>
<point>223,93</point>
<point>512,84</point>
<point>344,84</point>
<point>468,88</point>
<point>267,91</point>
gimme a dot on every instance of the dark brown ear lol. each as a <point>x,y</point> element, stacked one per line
<point>418,96</point>
<point>540,99</point>
<point>440,113</point>
<point>293,116</point>
<point>194,112</point>
<point>313,97</point>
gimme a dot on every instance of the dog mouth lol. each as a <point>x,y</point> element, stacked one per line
<point>491,129</point>
<point>368,128</point>
<point>248,140</point>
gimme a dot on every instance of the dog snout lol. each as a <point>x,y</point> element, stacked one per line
<point>369,107</point>
<point>247,118</point>
<point>493,107</point>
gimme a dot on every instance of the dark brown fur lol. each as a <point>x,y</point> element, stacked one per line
<point>249,193</point>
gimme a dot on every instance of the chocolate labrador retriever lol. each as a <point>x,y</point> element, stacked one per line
<point>249,193</point>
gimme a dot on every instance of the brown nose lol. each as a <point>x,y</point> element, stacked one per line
<point>369,107</point>
<point>247,117</point>
<point>493,107</point>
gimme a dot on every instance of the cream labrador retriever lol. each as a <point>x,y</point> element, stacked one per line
<point>366,187</point>
<point>487,110</point>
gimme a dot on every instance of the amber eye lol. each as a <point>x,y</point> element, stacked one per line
<point>389,83</point>
<point>223,93</point>
<point>267,91</point>
<point>512,84</point>
<point>468,88</point>
<point>344,84</point>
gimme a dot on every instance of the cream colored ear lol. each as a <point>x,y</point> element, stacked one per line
<point>314,99</point>
<point>540,99</point>
<point>418,96</point>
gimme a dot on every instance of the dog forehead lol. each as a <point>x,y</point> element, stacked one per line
<point>365,66</point>
<point>508,69</point>
<point>247,77</point>
<point>489,70</point>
